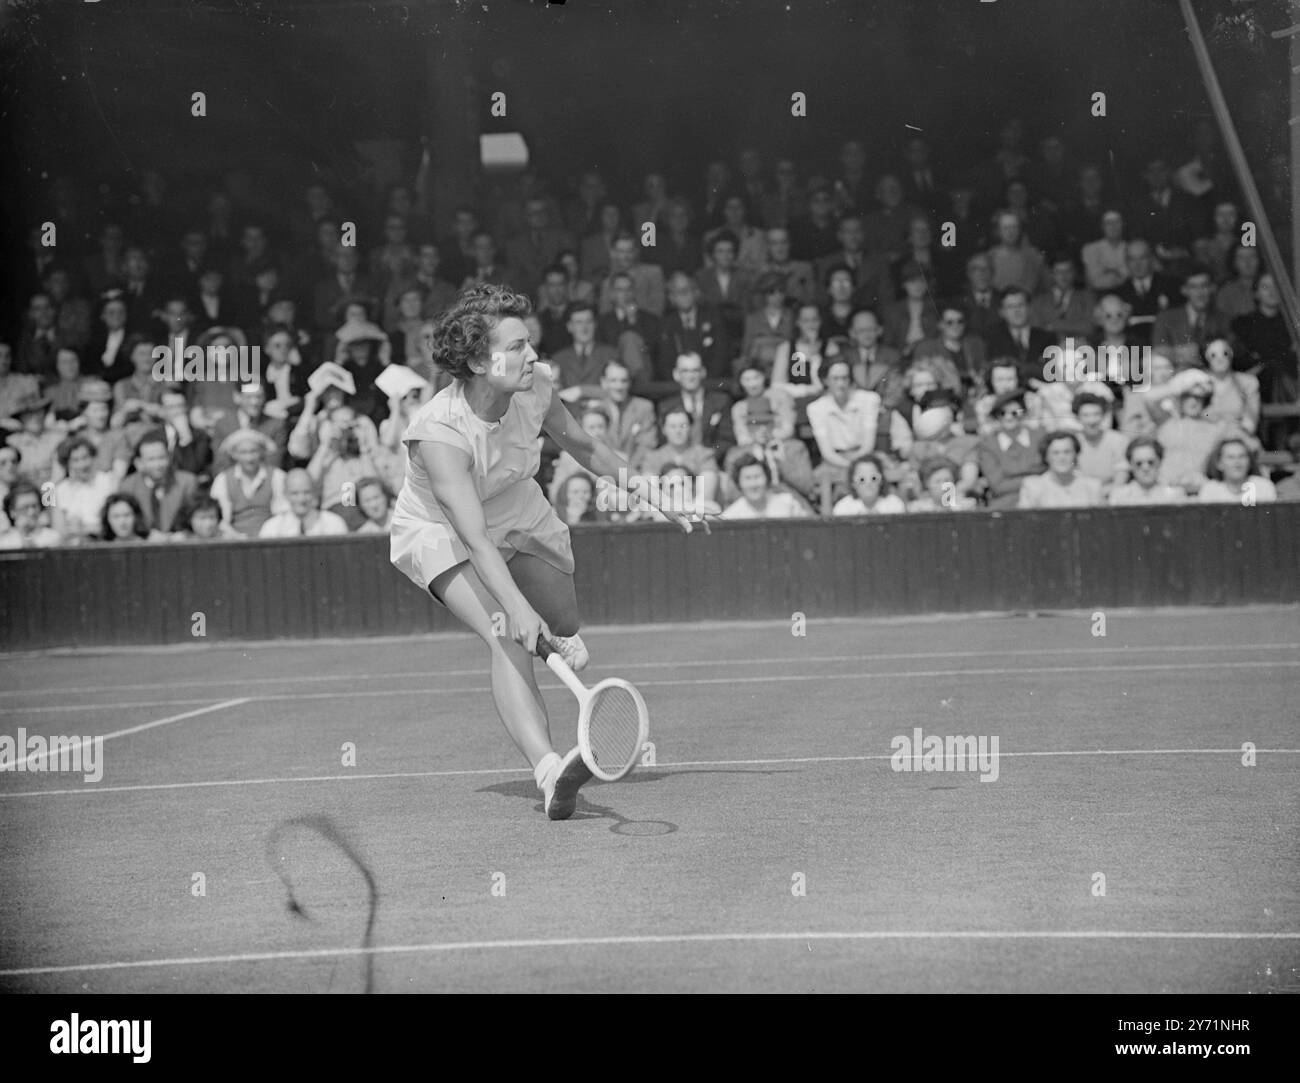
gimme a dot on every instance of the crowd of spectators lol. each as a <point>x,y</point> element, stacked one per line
<point>784,341</point>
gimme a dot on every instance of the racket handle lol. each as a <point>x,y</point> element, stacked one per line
<point>544,649</point>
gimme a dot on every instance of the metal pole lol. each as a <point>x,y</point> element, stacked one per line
<point>1272,254</point>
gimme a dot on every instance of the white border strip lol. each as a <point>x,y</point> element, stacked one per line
<point>643,941</point>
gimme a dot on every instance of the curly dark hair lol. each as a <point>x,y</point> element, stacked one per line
<point>462,332</point>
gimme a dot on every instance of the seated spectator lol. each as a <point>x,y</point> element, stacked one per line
<point>1105,263</point>
<point>284,376</point>
<point>1265,346</point>
<point>1009,455</point>
<point>915,318</point>
<point>939,485</point>
<point>1189,438</point>
<point>872,285</point>
<point>191,449</point>
<point>1289,487</point>
<point>1145,454</point>
<point>595,247</point>
<point>788,462</point>
<point>1213,251</point>
<point>1236,297</point>
<point>123,521</point>
<point>15,387</point>
<point>65,392</point>
<point>364,351</point>
<point>251,489</point>
<point>1063,309</point>
<point>112,448</point>
<point>635,333</point>
<point>770,326</point>
<point>10,475</point>
<point>1015,262</point>
<point>647,278</point>
<point>136,397</point>
<point>161,491</point>
<point>845,422</point>
<point>1061,486</point>
<point>884,229</point>
<point>575,500</point>
<point>406,331</point>
<point>1184,331</point>
<point>868,491</point>
<point>753,480</point>
<point>203,522</point>
<point>1102,450</point>
<point>250,412</point>
<point>303,519</point>
<point>79,497</point>
<point>1147,292</point>
<point>796,275</point>
<point>938,434</point>
<point>595,423</point>
<point>22,507</point>
<point>724,285</point>
<point>581,363</point>
<point>775,407</point>
<point>690,328</point>
<point>979,299</point>
<point>678,249</point>
<point>36,440</point>
<point>798,363</point>
<point>1017,338</point>
<point>376,503</point>
<point>934,261</point>
<point>680,449</point>
<point>709,411</point>
<point>1233,476</point>
<point>751,245</point>
<point>1235,398</point>
<point>632,429</point>
<point>962,353</point>
<point>1145,411</point>
<point>1003,377</point>
<point>344,455</point>
<point>839,306</point>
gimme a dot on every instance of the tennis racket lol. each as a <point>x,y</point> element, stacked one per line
<point>613,722</point>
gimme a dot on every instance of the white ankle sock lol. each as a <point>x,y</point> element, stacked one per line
<point>545,766</point>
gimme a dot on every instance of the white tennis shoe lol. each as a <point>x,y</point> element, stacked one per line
<point>573,650</point>
<point>561,789</point>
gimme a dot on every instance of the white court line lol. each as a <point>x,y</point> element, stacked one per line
<point>777,678</point>
<point>644,941</point>
<point>668,664</point>
<point>460,773</point>
<point>147,726</point>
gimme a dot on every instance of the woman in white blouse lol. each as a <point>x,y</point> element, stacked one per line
<point>1062,486</point>
<point>1233,476</point>
<point>79,498</point>
<point>869,495</point>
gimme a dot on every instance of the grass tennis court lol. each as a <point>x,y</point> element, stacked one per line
<point>1119,755</point>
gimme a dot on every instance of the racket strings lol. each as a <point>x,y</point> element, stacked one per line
<point>614,730</point>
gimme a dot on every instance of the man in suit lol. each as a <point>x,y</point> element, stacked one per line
<point>1147,292</point>
<point>162,491</point>
<point>813,235</point>
<point>979,299</point>
<point>647,278</point>
<point>692,328</point>
<point>1017,338</point>
<point>709,411</point>
<point>553,310</point>
<point>872,284</point>
<point>190,448</point>
<point>876,367</point>
<point>530,253</point>
<point>922,186</point>
<point>139,290</point>
<point>1064,308</point>
<point>626,317</point>
<point>724,285</point>
<point>1187,329</point>
<point>582,361</point>
<point>1009,455</point>
<point>1165,216</point>
<point>633,429</point>
<point>486,267</point>
<point>797,274</point>
<point>914,318</point>
<point>41,341</point>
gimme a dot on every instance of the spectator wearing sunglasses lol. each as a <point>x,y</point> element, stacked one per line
<point>1011,454</point>
<point>1145,454</point>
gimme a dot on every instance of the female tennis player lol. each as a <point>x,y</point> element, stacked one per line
<point>472,526</point>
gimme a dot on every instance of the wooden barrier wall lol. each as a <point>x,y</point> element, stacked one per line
<point>932,563</point>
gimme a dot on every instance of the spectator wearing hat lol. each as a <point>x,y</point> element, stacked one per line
<point>37,442</point>
<point>1009,455</point>
<point>1189,438</point>
<point>112,448</point>
<point>1061,485</point>
<point>106,355</point>
<point>799,285</point>
<point>1063,308</point>
<point>869,490</point>
<point>250,413</point>
<point>161,491</point>
<point>757,499</point>
<point>79,497</point>
<point>23,507</point>
<point>344,455</point>
<point>938,433</point>
<point>915,318</point>
<point>364,351</point>
<point>1144,455</point>
<point>250,490</point>
<point>1233,476</point>
<point>763,422</point>
<point>770,325</point>
<point>15,388</point>
<point>303,518</point>
<point>1017,337</point>
<point>633,430</point>
<point>1102,450</point>
<point>844,421</point>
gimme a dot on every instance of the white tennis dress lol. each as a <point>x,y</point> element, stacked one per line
<point>504,457</point>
